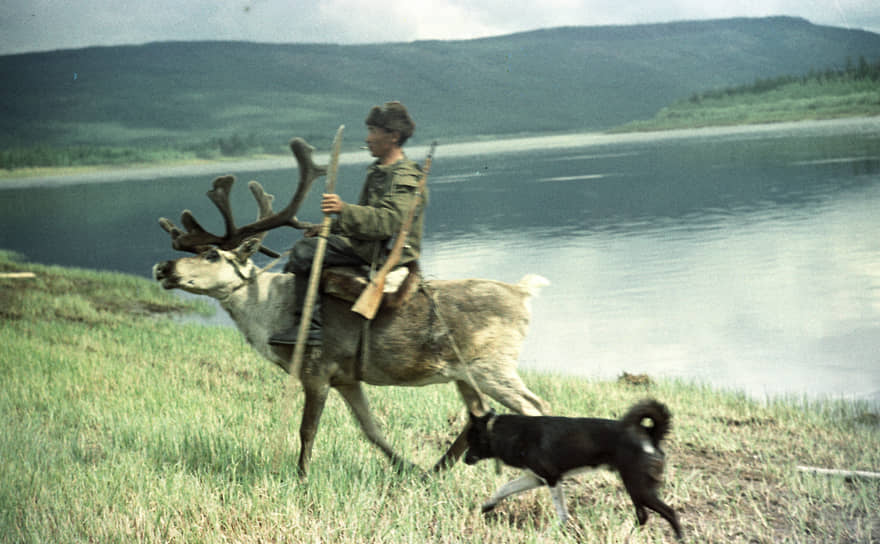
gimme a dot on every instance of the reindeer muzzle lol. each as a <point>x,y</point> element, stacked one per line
<point>164,273</point>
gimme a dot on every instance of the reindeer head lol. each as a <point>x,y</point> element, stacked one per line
<point>213,272</point>
<point>222,263</point>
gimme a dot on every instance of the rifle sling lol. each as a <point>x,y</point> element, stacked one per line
<point>364,359</point>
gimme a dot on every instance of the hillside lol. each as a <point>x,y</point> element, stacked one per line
<point>211,94</point>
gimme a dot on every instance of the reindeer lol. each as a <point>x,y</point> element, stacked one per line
<point>465,331</point>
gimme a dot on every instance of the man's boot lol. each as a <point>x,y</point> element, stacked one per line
<point>289,336</point>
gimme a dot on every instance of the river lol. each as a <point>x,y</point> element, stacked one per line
<point>744,257</point>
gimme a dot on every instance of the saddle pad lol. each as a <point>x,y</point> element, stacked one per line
<point>347,282</point>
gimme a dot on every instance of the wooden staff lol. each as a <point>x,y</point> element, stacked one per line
<point>317,261</point>
<point>368,302</point>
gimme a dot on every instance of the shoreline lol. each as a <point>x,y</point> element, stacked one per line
<point>99,174</point>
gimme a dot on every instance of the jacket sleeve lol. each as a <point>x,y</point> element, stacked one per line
<point>383,220</point>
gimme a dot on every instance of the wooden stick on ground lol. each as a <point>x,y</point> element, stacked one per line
<point>838,472</point>
<point>17,275</point>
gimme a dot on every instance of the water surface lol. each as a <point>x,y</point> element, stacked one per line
<point>747,258</point>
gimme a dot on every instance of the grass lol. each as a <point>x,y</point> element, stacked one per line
<point>123,425</point>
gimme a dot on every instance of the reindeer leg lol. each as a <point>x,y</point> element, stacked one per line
<point>357,402</point>
<point>475,405</point>
<point>454,452</point>
<point>315,398</point>
<point>502,383</point>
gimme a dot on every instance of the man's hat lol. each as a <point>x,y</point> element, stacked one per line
<point>392,116</point>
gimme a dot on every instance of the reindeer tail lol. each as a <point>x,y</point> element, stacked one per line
<point>654,410</point>
<point>532,283</point>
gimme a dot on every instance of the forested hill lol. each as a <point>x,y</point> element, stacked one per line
<point>560,79</point>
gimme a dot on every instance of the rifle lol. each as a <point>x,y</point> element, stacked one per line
<point>368,302</point>
<point>317,261</point>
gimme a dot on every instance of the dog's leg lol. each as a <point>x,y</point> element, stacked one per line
<point>641,514</point>
<point>644,494</point>
<point>559,502</point>
<point>654,503</point>
<point>523,483</point>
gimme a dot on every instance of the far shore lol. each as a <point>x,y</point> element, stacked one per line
<point>104,174</point>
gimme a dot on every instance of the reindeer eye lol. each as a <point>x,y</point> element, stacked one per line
<point>212,256</point>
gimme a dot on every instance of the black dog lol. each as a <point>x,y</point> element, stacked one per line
<point>551,448</point>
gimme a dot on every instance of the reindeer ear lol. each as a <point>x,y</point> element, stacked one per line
<point>246,249</point>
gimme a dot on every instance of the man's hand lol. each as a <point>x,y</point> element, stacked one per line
<point>331,203</point>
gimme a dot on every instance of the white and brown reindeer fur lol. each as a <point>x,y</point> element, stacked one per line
<point>409,345</point>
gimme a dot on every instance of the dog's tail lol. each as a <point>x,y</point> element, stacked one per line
<point>654,410</point>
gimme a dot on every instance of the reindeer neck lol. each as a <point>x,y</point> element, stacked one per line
<point>262,306</point>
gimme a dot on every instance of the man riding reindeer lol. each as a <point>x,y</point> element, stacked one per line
<point>467,331</point>
<point>361,232</point>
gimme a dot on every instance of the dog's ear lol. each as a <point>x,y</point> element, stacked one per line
<point>483,418</point>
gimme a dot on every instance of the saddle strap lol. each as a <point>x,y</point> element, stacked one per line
<point>364,359</point>
<point>435,304</point>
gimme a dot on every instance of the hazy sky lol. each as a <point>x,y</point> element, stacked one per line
<point>40,25</point>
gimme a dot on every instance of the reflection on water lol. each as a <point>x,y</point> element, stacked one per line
<point>740,262</point>
<point>746,259</point>
<point>760,303</point>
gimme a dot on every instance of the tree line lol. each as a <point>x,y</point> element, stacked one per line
<point>858,71</point>
<point>89,155</point>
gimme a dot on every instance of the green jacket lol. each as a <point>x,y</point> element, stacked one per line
<point>383,205</point>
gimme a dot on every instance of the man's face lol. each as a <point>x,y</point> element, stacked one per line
<point>381,142</point>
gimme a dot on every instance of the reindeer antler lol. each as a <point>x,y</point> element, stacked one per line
<point>196,238</point>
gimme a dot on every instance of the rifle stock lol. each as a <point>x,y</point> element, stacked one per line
<point>370,298</point>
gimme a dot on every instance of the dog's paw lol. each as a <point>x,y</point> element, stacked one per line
<point>488,507</point>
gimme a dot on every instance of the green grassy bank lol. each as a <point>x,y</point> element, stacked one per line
<point>122,425</point>
<point>772,101</point>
